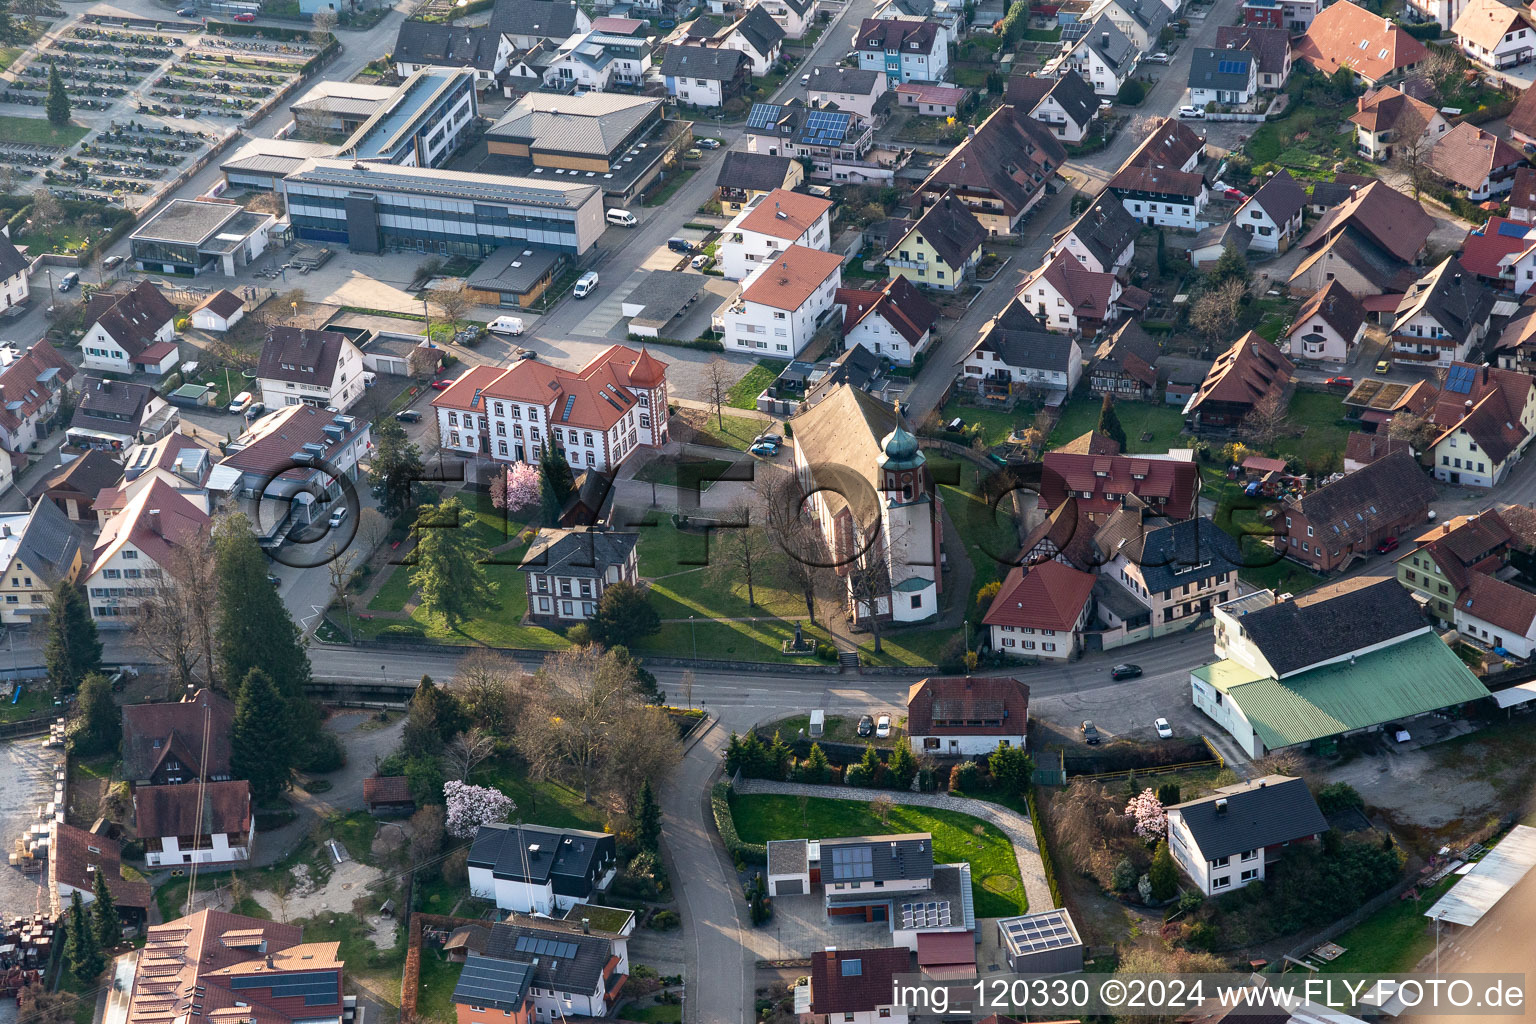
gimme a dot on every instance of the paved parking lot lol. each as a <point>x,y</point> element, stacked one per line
<point>26,782</point>
<point>800,926</point>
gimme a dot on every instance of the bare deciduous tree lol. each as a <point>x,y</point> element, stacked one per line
<point>741,554</point>
<point>1438,69</point>
<point>685,684</point>
<point>488,686</point>
<point>451,303</point>
<point>869,583</point>
<point>320,31</point>
<point>802,560</point>
<point>175,622</point>
<point>468,751</point>
<point>1411,154</point>
<point>1416,430</point>
<point>587,721</point>
<point>1266,421</point>
<point>717,389</point>
<point>1215,312</point>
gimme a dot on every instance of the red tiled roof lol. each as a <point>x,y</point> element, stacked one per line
<point>1088,294</point>
<point>1499,604</point>
<point>19,386</point>
<point>1245,373</point>
<point>177,523</point>
<point>1048,595</point>
<point>600,389</point>
<point>1389,109</point>
<point>1468,156</point>
<point>785,214</point>
<point>173,810</point>
<point>897,301</point>
<point>387,789</point>
<point>1165,181</point>
<point>792,277</point>
<point>946,949</point>
<point>1093,464</point>
<point>76,856</point>
<point>968,697</point>
<point>1367,448</point>
<point>1335,40</point>
<point>1487,246</point>
<point>832,991</point>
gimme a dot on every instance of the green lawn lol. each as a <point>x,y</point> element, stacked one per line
<point>8,55</point>
<point>34,701</point>
<point>688,471</point>
<point>434,992</point>
<point>1164,422</point>
<point>1317,416</point>
<point>991,539</point>
<point>737,432</point>
<point>395,591</point>
<point>1393,939</point>
<point>744,394</point>
<point>995,881</point>
<point>539,803</point>
<point>1243,518</point>
<point>39,132</point>
<point>686,587</point>
<point>996,424</point>
<point>355,831</point>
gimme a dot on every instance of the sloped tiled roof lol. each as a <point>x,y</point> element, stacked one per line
<point>1244,374</point>
<point>1252,815</point>
<point>1523,117</point>
<point>301,356</point>
<point>1344,35</point>
<point>158,521</point>
<point>443,44</point>
<point>1353,508</point>
<point>1337,308</point>
<point>1388,109</point>
<point>1335,619</point>
<point>898,301</point>
<point>855,980</point>
<point>757,172</point>
<point>784,214</point>
<point>1132,350</point>
<point>76,856</point>
<point>792,277</point>
<point>1270,45</point>
<point>1386,216</point>
<point>1087,292</point>
<point>181,810</point>
<point>1486,22</point>
<point>1019,339</point>
<point>713,63</point>
<point>589,553</point>
<point>1047,595</point>
<point>1170,144</point>
<point>1457,300</point>
<point>1105,229</point>
<point>133,320</point>
<point>896,34</point>
<point>1010,155</point>
<point>149,730</point>
<point>1467,155</point>
<point>1499,604</point>
<point>30,382</point>
<point>999,698</point>
<point>949,228</point>
<point>1280,197</point>
<point>1367,448</point>
<point>1223,69</point>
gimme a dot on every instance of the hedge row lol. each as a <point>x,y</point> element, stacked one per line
<point>702,344</point>
<point>1045,851</point>
<point>725,824</point>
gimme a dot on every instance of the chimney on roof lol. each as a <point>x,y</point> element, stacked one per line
<point>270,965</point>
<point>1105,37</point>
<point>5,531</point>
<point>1221,805</point>
<point>154,519</point>
<point>586,926</point>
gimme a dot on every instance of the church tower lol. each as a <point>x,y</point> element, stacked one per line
<point>911,526</point>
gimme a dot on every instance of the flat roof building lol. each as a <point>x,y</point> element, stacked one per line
<point>376,208</point>
<point>195,236</point>
<point>425,124</point>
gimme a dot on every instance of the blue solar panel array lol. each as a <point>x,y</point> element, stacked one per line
<point>823,127</point>
<point>1459,379</point>
<point>317,989</point>
<point>545,947</point>
<point>1512,230</point>
<point>763,115</point>
<point>1232,67</point>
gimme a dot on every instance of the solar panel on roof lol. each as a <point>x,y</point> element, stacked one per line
<point>1459,379</point>
<point>852,862</point>
<point>1509,230</point>
<point>763,115</point>
<point>1232,67</point>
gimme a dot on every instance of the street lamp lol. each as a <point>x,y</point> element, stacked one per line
<point>694,630</point>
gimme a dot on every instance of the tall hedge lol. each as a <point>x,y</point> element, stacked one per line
<point>725,824</point>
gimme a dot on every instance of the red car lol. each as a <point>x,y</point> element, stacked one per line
<point>247,16</point>
<point>441,385</point>
<point>1390,544</point>
<point>1235,193</point>
<point>1340,382</point>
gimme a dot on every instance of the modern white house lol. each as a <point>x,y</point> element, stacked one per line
<point>530,869</point>
<point>769,225</point>
<point>538,969</point>
<point>966,716</point>
<point>1226,840</point>
<point>1498,615</point>
<point>895,322</point>
<point>1223,77</point>
<point>1016,351</point>
<point>138,331</point>
<point>219,312</point>
<point>856,90</point>
<point>1327,328</point>
<point>568,570</point>
<point>783,303</point>
<point>135,549</point>
<point>1495,34</point>
<point>1041,612</point>
<point>1104,56</point>
<point>1272,216</point>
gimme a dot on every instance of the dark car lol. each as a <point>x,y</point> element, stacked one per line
<point>276,581</point>
<point>1390,544</point>
<point>866,725</point>
<point>408,416</point>
<point>680,245</point>
<point>112,261</point>
<point>1090,734</point>
<point>1125,672</point>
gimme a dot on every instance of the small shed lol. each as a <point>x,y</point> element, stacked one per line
<point>789,867</point>
<point>1044,943</point>
<point>219,311</point>
<point>388,795</point>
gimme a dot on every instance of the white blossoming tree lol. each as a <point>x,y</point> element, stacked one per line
<point>469,807</point>
<point>1146,812</point>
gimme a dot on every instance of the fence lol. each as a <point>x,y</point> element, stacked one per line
<point>36,726</point>
<point>1216,761</point>
<point>1354,917</point>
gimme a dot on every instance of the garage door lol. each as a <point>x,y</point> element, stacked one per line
<point>791,887</point>
<point>388,364</point>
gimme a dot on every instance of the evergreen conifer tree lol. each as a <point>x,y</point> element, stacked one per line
<point>104,920</point>
<point>260,751</point>
<point>1109,422</point>
<point>73,650</point>
<point>56,106</point>
<point>648,819</point>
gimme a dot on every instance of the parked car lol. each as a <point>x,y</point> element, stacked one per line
<point>805,80</point>
<point>246,16</point>
<point>768,439</point>
<point>681,245</point>
<point>68,281</point>
<point>256,409</point>
<point>866,725</point>
<point>338,517</point>
<point>1090,734</point>
<point>585,285</point>
<point>441,385</point>
<point>694,154</point>
<point>764,450</point>
<point>112,261</point>
<point>1390,544</point>
<point>1235,193</point>
<point>506,325</point>
<point>187,12</point>
<point>1126,671</point>
<point>276,581</point>
<point>701,261</point>
<point>1164,730</point>
<point>1156,58</point>
<point>883,727</point>
<point>1340,382</point>
<point>1192,113</point>
<point>1383,366</point>
<point>708,143</point>
<point>408,416</point>
<point>241,402</point>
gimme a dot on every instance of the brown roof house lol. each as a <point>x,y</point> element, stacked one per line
<point>895,321</point>
<point>1124,365</point>
<point>1329,528</point>
<point>1440,566</point>
<point>938,250</point>
<point>137,332</point>
<point>1327,328</point>
<point>1387,119</point>
<point>218,312</point>
<point>1494,34</point>
<point>1000,171</point>
<point>1475,161</point>
<point>1521,121</point>
<point>76,857</point>
<point>1362,449</point>
<point>320,368</point>
<point>1272,45</point>
<point>1443,316</point>
<point>31,390</point>
<point>1091,473</point>
<point>1346,36</point>
<point>186,806</point>
<point>966,715</point>
<point>1499,615</point>
<point>1069,298</point>
<point>1486,417</point>
<point>73,487</point>
<point>1103,238</point>
<point>388,795</point>
<point>1371,243</point>
<point>1041,611</point>
<point>1243,376</point>
<point>1272,215</point>
<point>854,985</point>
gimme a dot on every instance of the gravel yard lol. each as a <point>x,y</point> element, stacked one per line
<point>26,781</point>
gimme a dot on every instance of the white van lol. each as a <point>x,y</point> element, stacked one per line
<point>623,218</point>
<point>818,724</point>
<point>506,325</point>
<point>586,284</point>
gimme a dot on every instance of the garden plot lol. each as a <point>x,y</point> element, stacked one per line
<point>348,883</point>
